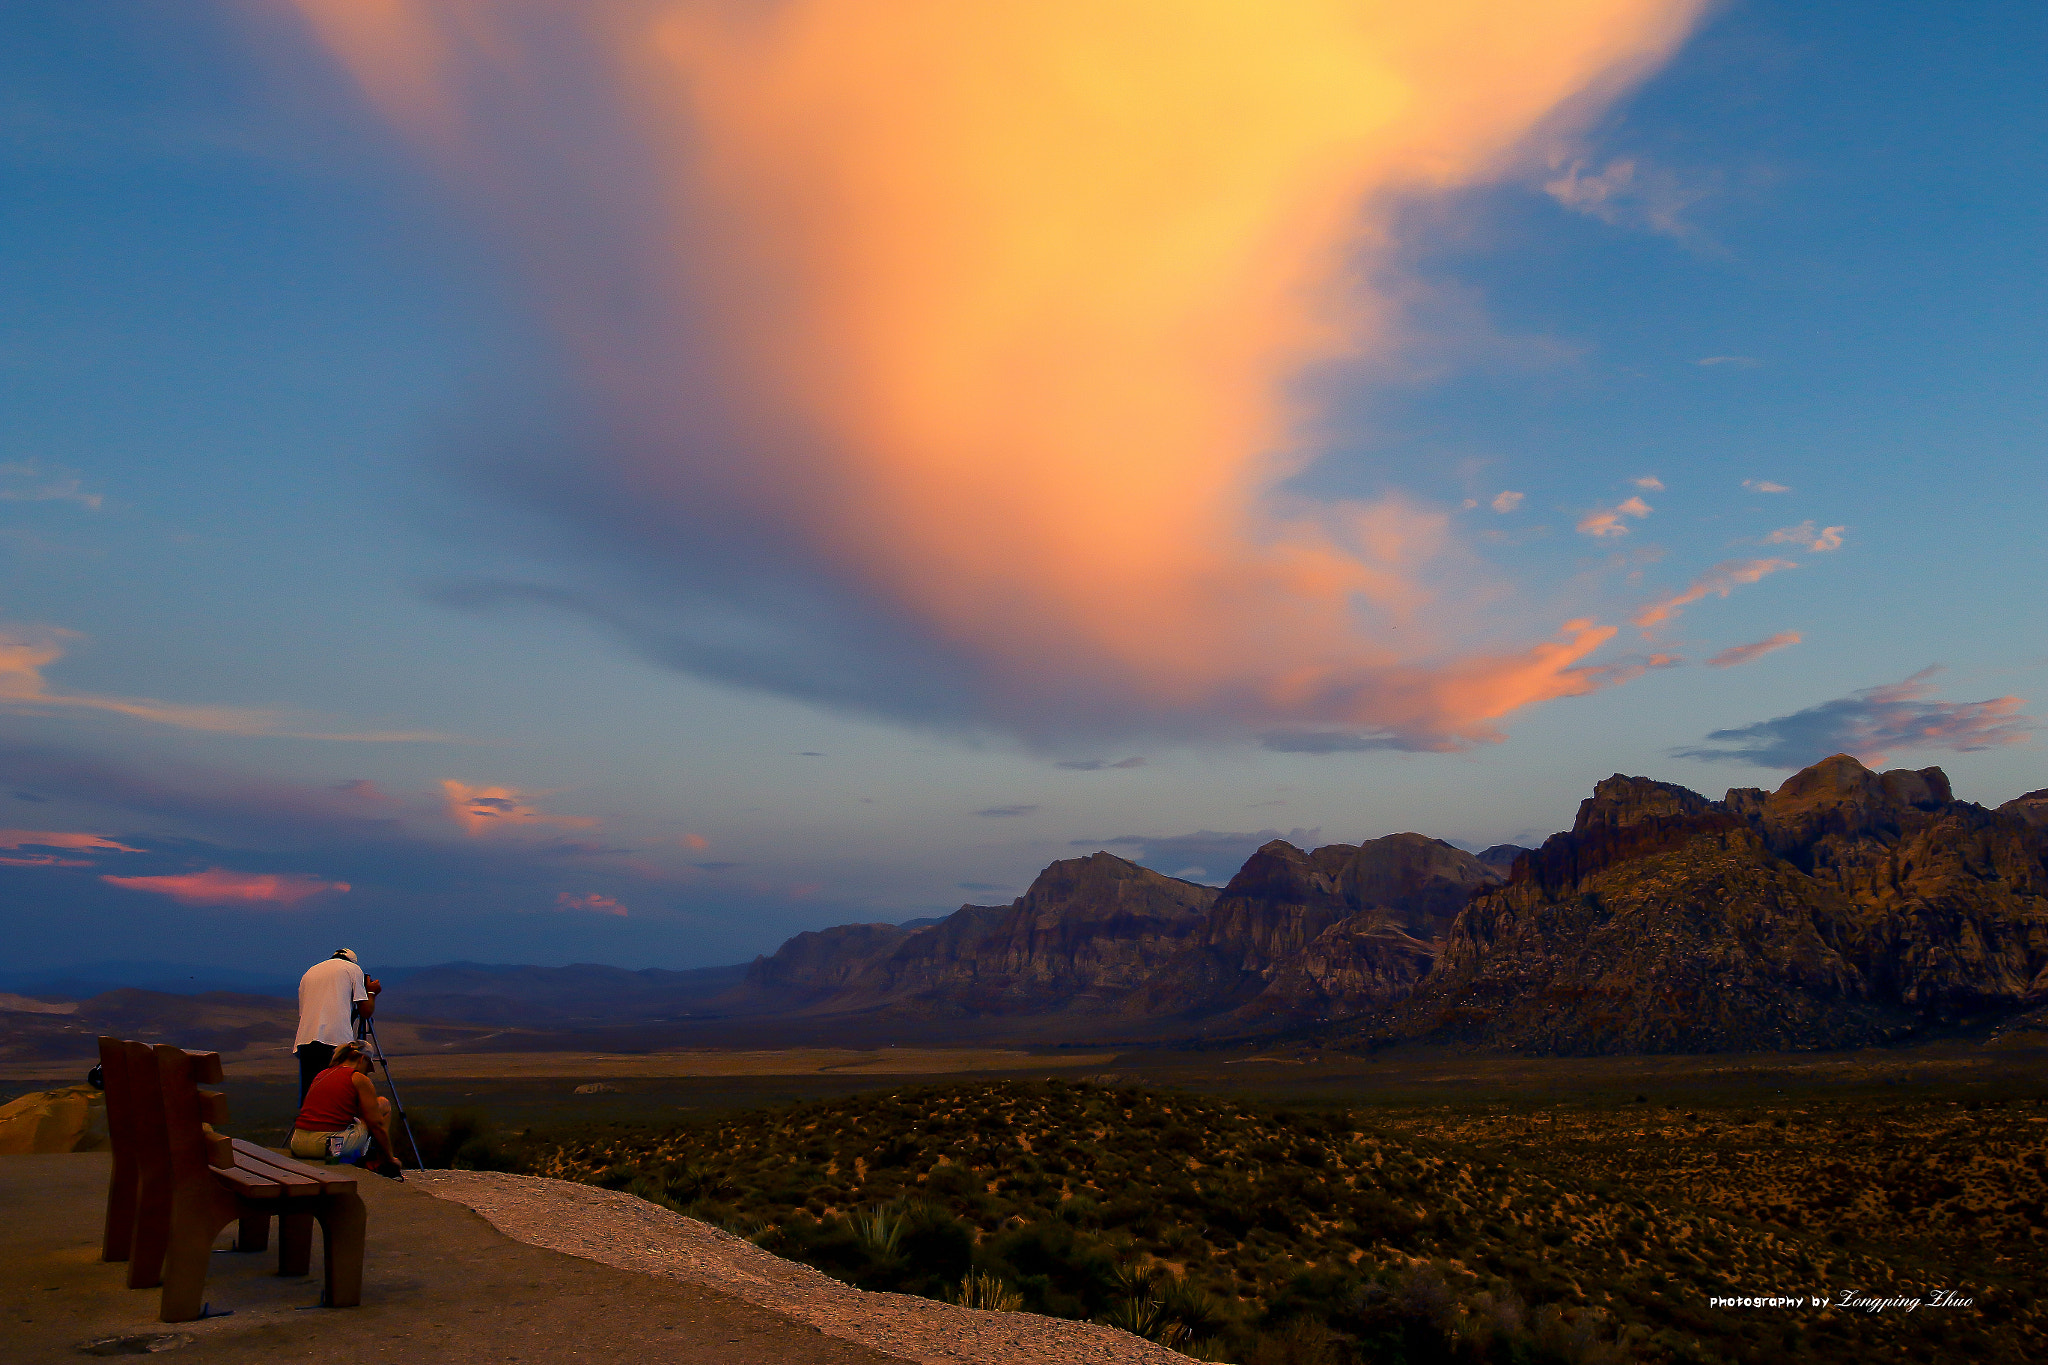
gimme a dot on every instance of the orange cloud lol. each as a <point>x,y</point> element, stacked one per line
<point>1742,654</point>
<point>696,841</point>
<point>482,809</point>
<point>592,902</point>
<point>52,838</point>
<point>1603,522</point>
<point>218,886</point>
<point>25,654</point>
<point>1718,581</point>
<point>1010,301</point>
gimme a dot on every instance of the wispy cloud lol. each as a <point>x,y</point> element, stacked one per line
<point>1628,193</point>
<point>1718,581</point>
<point>1004,812</point>
<point>27,483</point>
<point>1090,765</point>
<point>219,886</point>
<point>1739,362</point>
<point>1325,742</point>
<point>1871,724</point>
<point>24,654</point>
<point>52,838</point>
<point>1604,522</point>
<point>482,810</point>
<point>993,364</point>
<point>1742,654</point>
<point>1506,501</point>
<point>695,841</point>
<point>590,902</point>
<point>1649,482</point>
<point>1807,538</point>
<point>1765,486</point>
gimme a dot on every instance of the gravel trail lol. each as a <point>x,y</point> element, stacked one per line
<point>622,1230</point>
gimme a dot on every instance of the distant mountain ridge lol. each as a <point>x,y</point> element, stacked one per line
<point>1846,908</point>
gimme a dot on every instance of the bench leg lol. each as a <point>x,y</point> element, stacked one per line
<point>151,1235</point>
<point>117,1235</point>
<point>343,1223</point>
<point>294,1243</point>
<point>254,1232</point>
<point>194,1225</point>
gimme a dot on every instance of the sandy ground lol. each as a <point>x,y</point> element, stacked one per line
<point>440,1287</point>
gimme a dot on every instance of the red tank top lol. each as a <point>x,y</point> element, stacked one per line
<point>331,1101</point>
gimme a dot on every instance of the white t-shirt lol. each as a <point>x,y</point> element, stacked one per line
<point>326,992</point>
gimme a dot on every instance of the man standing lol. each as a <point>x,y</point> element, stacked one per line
<point>331,995</point>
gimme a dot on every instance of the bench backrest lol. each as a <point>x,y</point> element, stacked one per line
<point>188,1111</point>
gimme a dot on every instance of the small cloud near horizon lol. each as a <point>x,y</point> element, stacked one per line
<point>64,839</point>
<point>1002,812</point>
<point>1740,362</point>
<point>1736,655</point>
<point>1506,501</point>
<point>220,887</point>
<point>590,901</point>
<point>1871,724</point>
<point>1091,765</point>
<point>479,810</point>
<point>1649,482</point>
<point>1765,486</point>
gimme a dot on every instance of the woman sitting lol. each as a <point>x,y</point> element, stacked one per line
<point>344,1119</point>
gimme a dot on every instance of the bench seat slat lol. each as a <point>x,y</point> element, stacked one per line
<point>248,1184</point>
<point>284,1170</point>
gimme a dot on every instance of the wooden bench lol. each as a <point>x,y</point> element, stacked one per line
<point>176,1183</point>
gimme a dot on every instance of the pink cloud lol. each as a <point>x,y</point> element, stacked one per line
<point>480,810</point>
<point>1507,501</point>
<point>51,838</point>
<point>1718,581</point>
<point>590,901</point>
<point>44,860</point>
<point>1603,522</point>
<point>1742,654</point>
<point>1650,483</point>
<point>696,841</point>
<point>219,886</point>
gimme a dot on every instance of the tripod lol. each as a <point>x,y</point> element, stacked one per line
<point>368,1027</point>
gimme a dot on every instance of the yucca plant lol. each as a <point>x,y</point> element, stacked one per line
<point>1145,1318</point>
<point>879,1230</point>
<point>978,1289</point>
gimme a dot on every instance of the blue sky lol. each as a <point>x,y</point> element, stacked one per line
<point>288,421</point>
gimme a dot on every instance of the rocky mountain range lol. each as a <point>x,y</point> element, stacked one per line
<point>1847,907</point>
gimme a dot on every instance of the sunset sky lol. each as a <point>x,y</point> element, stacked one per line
<point>627,482</point>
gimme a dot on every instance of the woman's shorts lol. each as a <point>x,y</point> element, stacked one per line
<point>347,1145</point>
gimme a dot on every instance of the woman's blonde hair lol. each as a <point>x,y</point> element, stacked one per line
<point>348,1054</point>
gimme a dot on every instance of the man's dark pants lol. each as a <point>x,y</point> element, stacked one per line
<point>314,1058</point>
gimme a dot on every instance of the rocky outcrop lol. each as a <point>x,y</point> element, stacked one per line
<point>1845,907</point>
<point>2032,808</point>
<point>1086,936</point>
<point>1295,935</point>
<point>1320,935</point>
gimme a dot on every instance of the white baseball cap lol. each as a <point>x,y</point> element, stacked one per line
<point>348,953</point>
